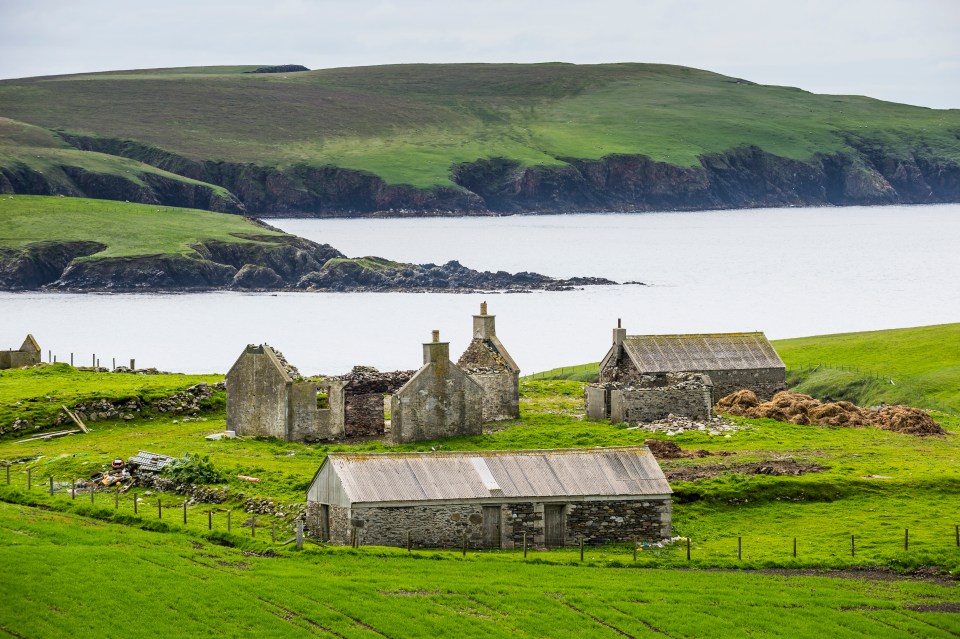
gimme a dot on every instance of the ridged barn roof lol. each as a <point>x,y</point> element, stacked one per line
<point>442,476</point>
<point>707,352</point>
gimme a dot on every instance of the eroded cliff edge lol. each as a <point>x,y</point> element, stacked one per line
<point>745,177</point>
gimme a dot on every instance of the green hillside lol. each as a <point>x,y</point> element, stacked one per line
<point>413,124</point>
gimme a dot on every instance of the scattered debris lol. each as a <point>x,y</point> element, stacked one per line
<point>254,480</point>
<point>46,436</point>
<point>670,450</point>
<point>227,434</point>
<point>796,408</point>
<point>150,462</point>
<point>776,467</point>
<point>75,419</point>
<point>676,424</point>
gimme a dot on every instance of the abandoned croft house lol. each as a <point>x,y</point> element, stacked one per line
<point>27,355</point>
<point>490,498</point>
<point>640,374</point>
<point>489,364</point>
<point>440,400</point>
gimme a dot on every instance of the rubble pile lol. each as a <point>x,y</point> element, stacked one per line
<point>264,506</point>
<point>676,424</point>
<point>367,379</point>
<point>796,408</point>
<point>292,370</point>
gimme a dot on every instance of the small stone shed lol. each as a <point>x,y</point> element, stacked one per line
<point>27,355</point>
<point>440,400</point>
<point>488,363</point>
<point>491,497</point>
<point>267,397</point>
<point>651,397</point>
<point>732,360</point>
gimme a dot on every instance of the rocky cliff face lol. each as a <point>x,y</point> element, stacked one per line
<point>739,178</point>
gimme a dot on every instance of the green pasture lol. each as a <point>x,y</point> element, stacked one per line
<point>67,574</point>
<point>127,229</point>
<point>412,124</point>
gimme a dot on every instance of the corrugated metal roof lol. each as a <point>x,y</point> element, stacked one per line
<point>440,476</point>
<point>151,462</point>
<point>709,352</point>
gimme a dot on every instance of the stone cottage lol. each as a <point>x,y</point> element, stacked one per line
<point>267,397</point>
<point>27,355</point>
<point>488,363</point>
<point>440,400</point>
<point>651,397</point>
<point>492,498</point>
<point>731,360</point>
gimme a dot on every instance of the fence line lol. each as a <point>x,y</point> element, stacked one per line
<point>937,536</point>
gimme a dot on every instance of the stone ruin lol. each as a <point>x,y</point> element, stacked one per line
<point>267,396</point>
<point>440,400</point>
<point>651,397</point>
<point>27,355</point>
<point>488,363</point>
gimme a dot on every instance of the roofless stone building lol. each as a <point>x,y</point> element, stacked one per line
<point>440,400</point>
<point>27,355</point>
<point>491,497</point>
<point>488,363</point>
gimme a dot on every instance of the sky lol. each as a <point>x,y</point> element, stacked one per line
<point>898,50</point>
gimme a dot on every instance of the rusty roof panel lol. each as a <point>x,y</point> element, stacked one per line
<point>710,352</point>
<point>525,474</point>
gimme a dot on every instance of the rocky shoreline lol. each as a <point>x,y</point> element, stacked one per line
<point>263,263</point>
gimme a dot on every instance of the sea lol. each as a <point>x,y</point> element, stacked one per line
<point>788,272</point>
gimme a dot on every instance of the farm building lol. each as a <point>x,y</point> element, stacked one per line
<point>491,498</point>
<point>732,360</point>
<point>651,397</point>
<point>440,400</point>
<point>488,363</point>
<point>266,397</point>
<point>27,355</point>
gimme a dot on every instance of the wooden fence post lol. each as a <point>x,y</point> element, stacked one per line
<point>159,509</point>
<point>134,503</point>
<point>853,548</point>
<point>739,547</point>
<point>906,539</point>
<point>8,473</point>
<point>73,489</point>
<point>209,520</point>
<point>581,547</point>
<point>116,499</point>
<point>524,544</point>
<point>956,531</point>
<point>634,548</point>
<point>299,535</point>
<point>794,547</point>
<point>51,485</point>
<point>29,470</point>
<point>253,527</point>
<point>228,520</point>
<point>688,549</point>
<point>273,531</point>
<point>184,512</point>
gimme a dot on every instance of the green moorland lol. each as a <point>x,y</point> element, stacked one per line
<point>102,566</point>
<point>127,229</point>
<point>410,124</point>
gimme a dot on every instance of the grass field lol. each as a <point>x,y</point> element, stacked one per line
<point>88,578</point>
<point>411,124</point>
<point>94,568</point>
<point>127,229</point>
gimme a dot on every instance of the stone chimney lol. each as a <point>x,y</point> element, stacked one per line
<point>619,334</point>
<point>435,351</point>
<point>484,325</point>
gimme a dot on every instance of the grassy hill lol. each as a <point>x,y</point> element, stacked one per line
<point>413,125</point>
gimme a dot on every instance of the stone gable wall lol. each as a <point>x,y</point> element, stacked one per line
<point>256,398</point>
<point>439,401</point>
<point>501,393</point>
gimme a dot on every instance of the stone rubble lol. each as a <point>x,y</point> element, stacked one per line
<point>675,424</point>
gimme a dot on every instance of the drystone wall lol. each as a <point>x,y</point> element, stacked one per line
<point>444,525</point>
<point>764,382</point>
<point>657,396</point>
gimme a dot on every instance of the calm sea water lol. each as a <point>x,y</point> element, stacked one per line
<point>788,272</point>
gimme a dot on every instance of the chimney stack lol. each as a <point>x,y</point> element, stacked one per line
<point>435,351</point>
<point>484,326</point>
<point>619,334</point>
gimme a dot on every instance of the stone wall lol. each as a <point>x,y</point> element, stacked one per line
<point>597,400</point>
<point>363,414</point>
<point>16,359</point>
<point>309,423</point>
<point>444,525</point>
<point>439,401</point>
<point>257,396</point>
<point>656,396</point>
<point>765,382</point>
<point>501,393</point>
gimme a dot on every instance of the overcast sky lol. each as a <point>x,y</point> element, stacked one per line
<point>905,51</point>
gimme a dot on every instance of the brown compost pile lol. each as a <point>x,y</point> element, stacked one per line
<point>796,408</point>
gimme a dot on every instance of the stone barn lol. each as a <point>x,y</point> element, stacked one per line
<point>489,364</point>
<point>492,498</point>
<point>27,355</point>
<point>440,400</point>
<point>731,360</point>
<point>267,397</point>
<point>651,397</point>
